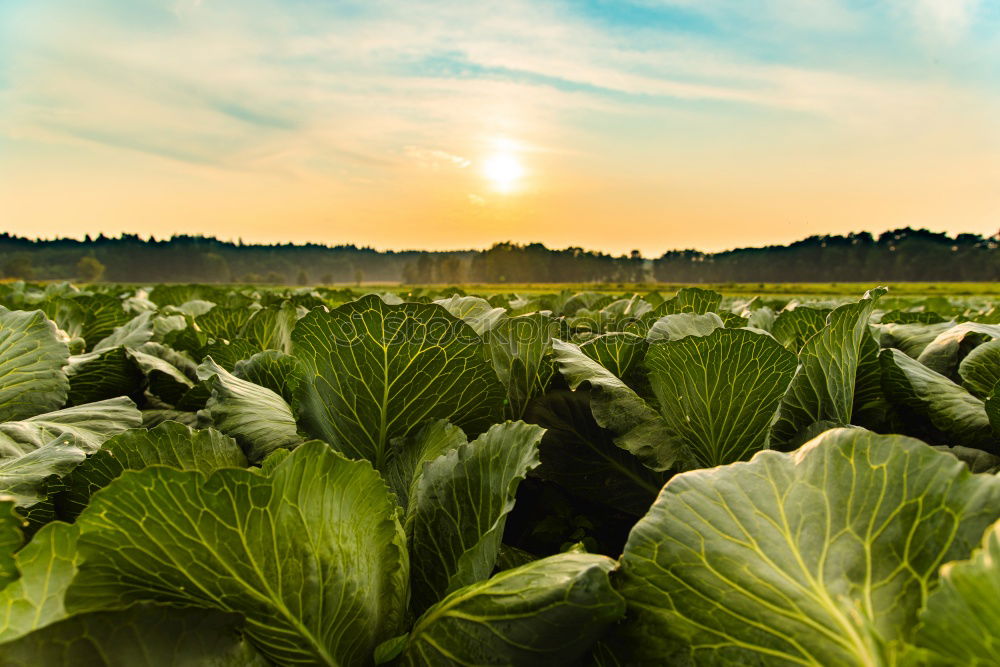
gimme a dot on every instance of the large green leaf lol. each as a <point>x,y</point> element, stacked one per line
<point>66,313</point>
<point>87,426</point>
<point>372,372</point>
<point>583,300</point>
<point>224,323</point>
<point>228,355</point>
<point>548,612</point>
<point>89,316</point>
<point>271,328</point>
<point>762,318</point>
<point>822,556</point>
<point>582,458</point>
<point>158,363</point>
<point>141,636</point>
<point>258,418</point>
<point>944,353</point>
<point>96,376</point>
<point>154,417</point>
<point>681,325</point>
<point>47,565</point>
<point>193,308</point>
<point>272,369</point>
<point>792,328</point>
<point>623,312</point>
<point>911,338</point>
<point>638,428</point>
<point>474,311</point>
<point>133,333</point>
<point>104,314</point>
<point>519,348</point>
<point>823,387</point>
<point>25,478</point>
<point>169,443</point>
<point>931,397</point>
<point>36,449</point>
<point>186,339</point>
<point>312,554</point>
<point>10,540</point>
<point>911,317</point>
<point>870,409</point>
<point>175,295</point>
<point>718,393</point>
<point>980,370</point>
<point>961,622</point>
<point>166,326</point>
<point>453,539</point>
<point>690,300</point>
<point>620,352</point>
<point>976,459</point>
<point>408,456</point>
<point>31,362</point>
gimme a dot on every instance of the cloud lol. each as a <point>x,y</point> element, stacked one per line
<point>942,20</point>
<point>435,159</point>
<point>330,90</point>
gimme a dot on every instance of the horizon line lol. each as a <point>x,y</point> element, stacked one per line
<point>239,242</point>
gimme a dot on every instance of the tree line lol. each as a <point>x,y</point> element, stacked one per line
<point>899,255</point>
<point>916,255</point>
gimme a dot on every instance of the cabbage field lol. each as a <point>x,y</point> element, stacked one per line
<point>230,476</point>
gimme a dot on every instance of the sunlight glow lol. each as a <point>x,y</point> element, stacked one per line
<point>504,172</point>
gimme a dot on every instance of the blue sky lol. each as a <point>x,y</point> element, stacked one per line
<point>646,123</point>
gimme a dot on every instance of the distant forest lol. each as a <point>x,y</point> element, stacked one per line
<point>899,255</point>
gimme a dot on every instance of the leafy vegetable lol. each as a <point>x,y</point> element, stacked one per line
<point>47,565</point>
<point>255,416</point>
<point>690,300</point>
<point>638,428</point>
<point>944,353</point>
<point>792,328</point>
<point>143,635</point>
<point>311,554</point>
<point>583,459</point>
<point>718,393</point>
<point>821,556</point>
<point>170,443</point>
<point>620,352</point>
<point>96,376</point>
<point>31,361</point>
<point>519,348</point>
<point>980,370</point>
<point>408,456</point>
<point>371,372</point>
<point>454,543</point>
<point>956,413</point>
<point>476,312</point>
<point>823,387</point>
<point>680,325</point>
<point>960,621</point>
<point>548,612</point>
<point>133,333</point>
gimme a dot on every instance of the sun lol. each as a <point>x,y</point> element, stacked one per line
<point>503,171</point>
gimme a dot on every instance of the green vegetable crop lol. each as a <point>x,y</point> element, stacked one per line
<point>201,475</point>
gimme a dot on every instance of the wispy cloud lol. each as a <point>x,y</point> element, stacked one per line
<point>358,79</point>
<point>434,158</point>
<point>943,19</point>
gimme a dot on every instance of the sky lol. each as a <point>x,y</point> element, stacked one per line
<point>452,124</point>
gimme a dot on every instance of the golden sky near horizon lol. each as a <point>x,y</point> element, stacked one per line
<point>649,124</point>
